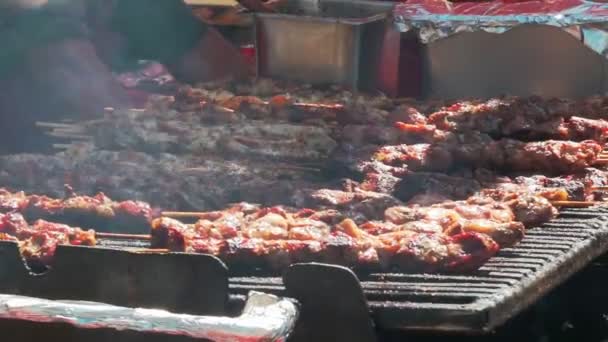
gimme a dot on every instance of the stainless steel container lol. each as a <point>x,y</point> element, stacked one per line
<point>322,42</point>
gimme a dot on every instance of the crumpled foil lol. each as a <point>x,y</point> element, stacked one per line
<point>265,318</point>
<point>437,19</point>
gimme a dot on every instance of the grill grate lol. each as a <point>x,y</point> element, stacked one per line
<point>483,300</point>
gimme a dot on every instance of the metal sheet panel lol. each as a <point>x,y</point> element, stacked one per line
<point>527,60</point>
<point>331,44</point>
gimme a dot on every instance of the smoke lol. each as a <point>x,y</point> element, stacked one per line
<point>23,4</point>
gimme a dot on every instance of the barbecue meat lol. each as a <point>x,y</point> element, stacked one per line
<point>529,209</point>
<point>578,129</point>
<point>171,182</point>
<point>272,237</point>
<point>416,183</point>
<point>548,156</point>
<point>359,205</point>
<point>98,212</point>
<point>180,133</point>
<point>38,242</point>
<point>500,117</point>
<point>496,220</point>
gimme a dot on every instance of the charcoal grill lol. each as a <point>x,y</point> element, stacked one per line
<point>334,300</point>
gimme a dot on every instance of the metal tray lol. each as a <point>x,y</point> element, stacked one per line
<point>322,42</point>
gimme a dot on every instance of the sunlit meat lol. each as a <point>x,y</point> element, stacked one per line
<point>496,220</point>
<point>358,204</point>
<point>274,238</point>
<point>508,155</point>
<point>530,118</point>
<point>38,241</point>
<point>97,212</point>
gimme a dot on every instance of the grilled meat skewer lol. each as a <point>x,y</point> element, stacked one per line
<point>510,155</point>
<point>346,244</point>
<point>97,212</point>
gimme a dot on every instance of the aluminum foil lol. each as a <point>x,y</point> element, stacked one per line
<point>264,318</point>
<point>438,19</point>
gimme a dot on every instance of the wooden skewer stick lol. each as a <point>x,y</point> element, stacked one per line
<point>601,161</point>
<point>318,105</point>
<point>575,204</point>
<point>599,188</point>
<point>62,146</point>
<point>53,124</point>
<point>297,168</point>
<point>153,250</point>
<point>67,131</point>
<point>311,105</point>
<point>122,236</point>
<point>70,136</point>
<point>183,214</point>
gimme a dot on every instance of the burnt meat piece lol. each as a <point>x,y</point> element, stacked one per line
<point>574,128</point>
<point>358,205</point>
<point>500,117</point>
<point>509,155</point>
<point>185,182</point>
<point>415,183</point>
<point>176,132</point>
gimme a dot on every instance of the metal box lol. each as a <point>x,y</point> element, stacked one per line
<point>322,42</point>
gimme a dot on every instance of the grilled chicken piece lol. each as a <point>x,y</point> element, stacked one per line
<point>495,220</point>
<point>274,238</point>
<point>38,242</point>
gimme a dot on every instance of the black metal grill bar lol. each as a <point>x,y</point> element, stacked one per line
<point>517,270</point>
<point>478,278</point>
<point>500,258</point>
<point>551,239</point>
<point>417,306</point>
<point>421,297</point>
<point>495,263</point>
<point>244,289</point>
<point>567,224</point>
<point>561,233</point>
<point>526,252</point>
<point>257,280</point>
<point>428,285</point>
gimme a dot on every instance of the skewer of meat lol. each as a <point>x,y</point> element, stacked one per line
<point>552,157</point>
<point>500,215</point>
<point>273,243</point>
<point>582,186</point>
<point>531,117</point>
<point>458,236</point>
<point>98,212</point>
<point>271,238</point>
